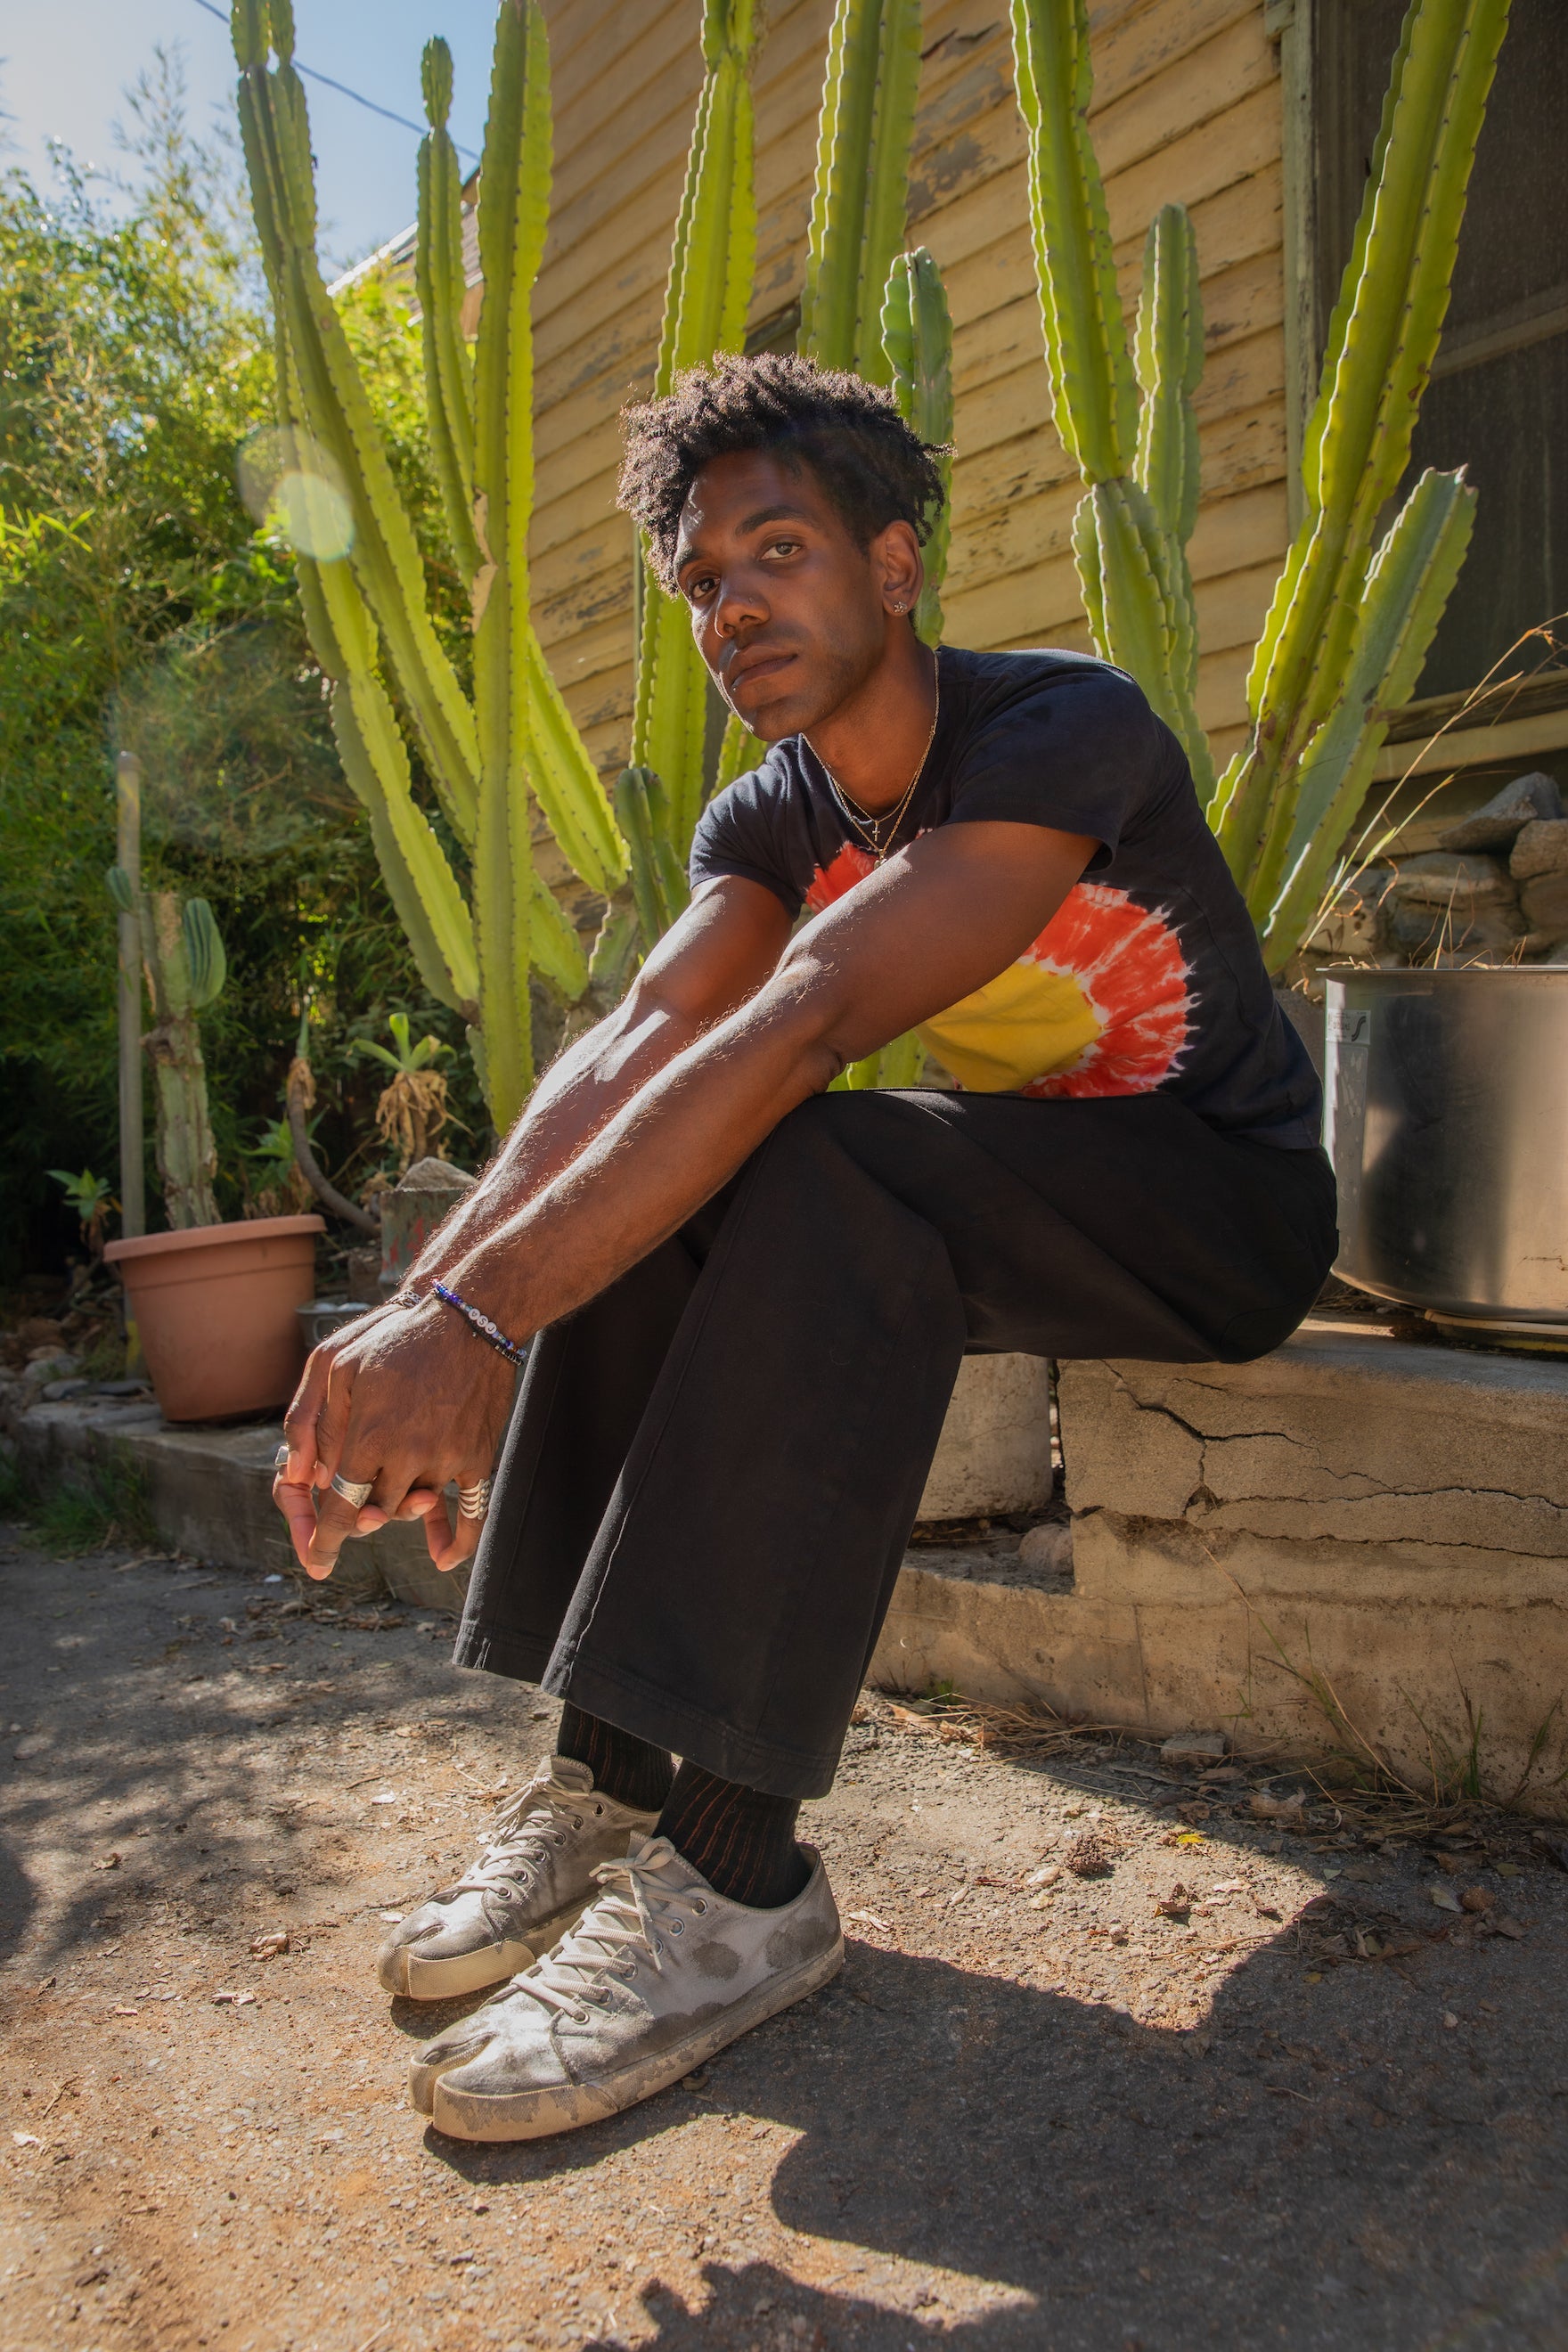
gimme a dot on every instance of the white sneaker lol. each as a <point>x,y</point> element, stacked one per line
<point>658,1973</point>
<point>535,1875</point>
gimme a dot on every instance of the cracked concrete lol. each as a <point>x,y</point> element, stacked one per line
<point>1354,1511</point>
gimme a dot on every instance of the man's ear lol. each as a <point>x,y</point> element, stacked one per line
<point>898,567</point>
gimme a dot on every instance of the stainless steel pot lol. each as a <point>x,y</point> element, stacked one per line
<point>1447,1124</point>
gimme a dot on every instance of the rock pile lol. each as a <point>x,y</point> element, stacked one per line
<point>1495,889</point>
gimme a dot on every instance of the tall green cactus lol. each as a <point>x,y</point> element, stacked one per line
<point>1339,608</point>
<point>1130,530</point>
<point>706,299</point>
<point>185,967</point>
<point>917,342</point>
<point>1352,621</point>
<point>863,139</point>
<point>483,756</point>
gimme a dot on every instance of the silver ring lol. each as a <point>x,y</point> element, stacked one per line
<point>474,1501</point>
<point>281,1459</point>
<point>356,1492</point>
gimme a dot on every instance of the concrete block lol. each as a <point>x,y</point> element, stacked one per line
<point>209,1493</point>
<point>1342,1544</point>
<point>995,1454</point>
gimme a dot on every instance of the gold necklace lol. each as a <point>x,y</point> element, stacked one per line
<point>870,828</point>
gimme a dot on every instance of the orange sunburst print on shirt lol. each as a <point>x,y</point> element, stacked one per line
<point>1098,1005</point>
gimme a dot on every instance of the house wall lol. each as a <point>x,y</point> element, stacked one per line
<point>1187,106</point>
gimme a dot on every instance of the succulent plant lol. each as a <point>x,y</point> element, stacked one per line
<point>185,968</point>
<point>1353,614</point>
<point>364,600</point>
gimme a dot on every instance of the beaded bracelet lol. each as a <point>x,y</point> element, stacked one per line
<point>487,1330</point>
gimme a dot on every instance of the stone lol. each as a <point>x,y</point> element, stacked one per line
<point>1194,1748</point>
<point>53,1391</point>
<point>1545,902</point>
<point>1353,927</point>
<point>1047,1550</point>
<point>1462,885</point>
<point>411,1212</point>
<point>44,1368</point>
<point>1499,823</point>
<point>1541,849</point>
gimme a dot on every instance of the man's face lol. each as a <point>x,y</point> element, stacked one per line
<point>789,614</point>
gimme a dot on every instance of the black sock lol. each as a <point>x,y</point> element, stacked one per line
<point>742,1842</point>
<point>631,1771</point>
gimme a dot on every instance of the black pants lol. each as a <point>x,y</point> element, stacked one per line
<point>713,1468</point>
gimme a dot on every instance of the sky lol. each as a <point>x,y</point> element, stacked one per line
<point>65,66</point>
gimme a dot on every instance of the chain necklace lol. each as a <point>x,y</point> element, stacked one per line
<point>880,832</point>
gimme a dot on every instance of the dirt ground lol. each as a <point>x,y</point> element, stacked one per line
<point>1309,2103</point>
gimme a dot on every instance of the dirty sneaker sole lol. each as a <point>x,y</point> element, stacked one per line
<point>567,2107</point>
<point>402,1968</point>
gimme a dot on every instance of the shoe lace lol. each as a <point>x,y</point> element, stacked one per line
<point>618,1930</point>
<point>520,1835</point>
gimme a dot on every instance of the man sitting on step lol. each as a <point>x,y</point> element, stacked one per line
<point>748,1293</point>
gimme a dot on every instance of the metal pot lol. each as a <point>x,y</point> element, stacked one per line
<point>1447,1125</point>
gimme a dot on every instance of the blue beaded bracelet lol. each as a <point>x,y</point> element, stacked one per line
<point>476,1322</point>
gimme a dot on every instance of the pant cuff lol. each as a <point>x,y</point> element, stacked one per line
<point>694,1735</point>
<point>519,1655</point>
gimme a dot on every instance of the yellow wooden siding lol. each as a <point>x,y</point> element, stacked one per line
<point>1186,106</point>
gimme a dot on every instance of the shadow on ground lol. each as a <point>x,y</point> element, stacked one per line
<point>1326,2164</point>
<point>1136,2187</point>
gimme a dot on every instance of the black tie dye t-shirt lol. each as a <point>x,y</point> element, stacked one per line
<point>1147,977</point>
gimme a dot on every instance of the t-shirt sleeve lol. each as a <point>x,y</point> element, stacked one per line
<point>739,834</point>
<point>1079,753</point>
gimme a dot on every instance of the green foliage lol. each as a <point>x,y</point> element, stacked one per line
<point>107,1506</point>
<point>404,1056</point>
<point>397,695</point>
<point>141,608</point>
<point>91,1198</point>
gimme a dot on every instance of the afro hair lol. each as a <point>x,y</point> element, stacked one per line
<point>874,468</point>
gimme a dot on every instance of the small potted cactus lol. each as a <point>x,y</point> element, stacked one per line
<point>213,1304</point>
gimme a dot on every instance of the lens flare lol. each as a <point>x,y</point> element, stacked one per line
<point>289,481</point>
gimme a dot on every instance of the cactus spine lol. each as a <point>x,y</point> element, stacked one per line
<point>1350,621</point>
<point>706,298</point>
<point>369,608</point>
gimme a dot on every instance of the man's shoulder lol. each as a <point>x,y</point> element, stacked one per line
<point>1046,677</point>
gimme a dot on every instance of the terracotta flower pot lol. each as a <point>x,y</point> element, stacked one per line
<point>215,1308</point>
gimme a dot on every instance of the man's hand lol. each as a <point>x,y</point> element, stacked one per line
<point>410,1401</point>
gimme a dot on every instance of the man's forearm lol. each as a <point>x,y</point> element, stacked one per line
<point>577,1096</point>
<point>648,1167</point>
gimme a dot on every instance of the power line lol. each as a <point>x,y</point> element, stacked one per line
<point>344,91</point>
